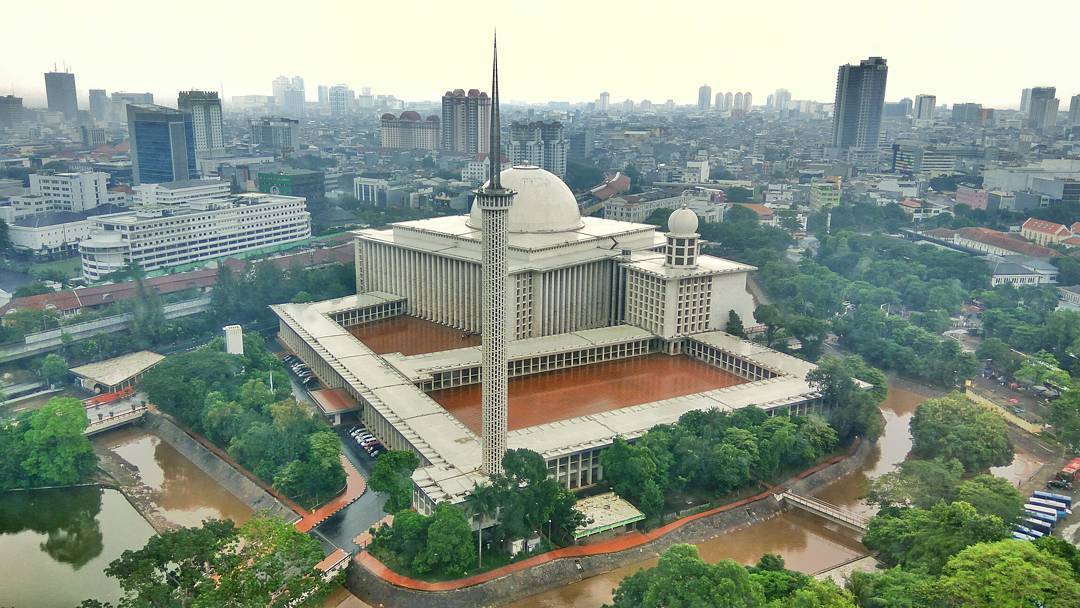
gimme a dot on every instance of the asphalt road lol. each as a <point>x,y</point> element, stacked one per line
<point>341,528</point>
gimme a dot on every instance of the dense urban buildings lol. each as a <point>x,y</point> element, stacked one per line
<point>11,110</point>
<point>71,191</point>
<point>304,183</point>
<point>1043,109</point>
<point>924,107</point>
<point>409,132</point>
<point>289,95</point>
<point>466,121</point>
<point>860,98</point>
<point>61,95</point>
<point>540,144</point>
<point>162,144</point>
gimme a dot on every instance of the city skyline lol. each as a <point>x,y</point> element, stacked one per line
<point>937,61</point>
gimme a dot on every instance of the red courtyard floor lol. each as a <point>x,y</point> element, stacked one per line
<point>600,387</point>
<point>411,336</point>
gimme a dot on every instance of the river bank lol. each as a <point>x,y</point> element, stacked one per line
<point>368,579</point>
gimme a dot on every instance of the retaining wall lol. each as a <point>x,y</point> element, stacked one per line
<point>222,472</point>
<point>376,591</point>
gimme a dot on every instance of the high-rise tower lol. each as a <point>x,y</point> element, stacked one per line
<point>494,202</point>
<point>860,100</point>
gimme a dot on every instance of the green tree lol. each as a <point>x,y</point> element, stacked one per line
<point>1043,369</point>
<point>992,495</point>
<point>894,588</point>
<point>917,483</point>
<point>1001,356</point>
<point>392,475</point>
<point>852,409</point>
<point>449,549</point>
<point>953,427</point>
<point>54,369</point>
<point>30,289</point>
<point>148,315</point>
<point>924,539</point>
<point>1065,418</point>
<point>633,474</point>
<point>266,562</point>
<point>484,505</point>
<point>734,324</point>
<point>682,578</point>
<point>1008,574</point>
<point>56,450</point>
<point>771,317</point>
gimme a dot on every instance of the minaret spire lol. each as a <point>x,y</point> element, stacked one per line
<point>494,202</point>
<point>494,139</point>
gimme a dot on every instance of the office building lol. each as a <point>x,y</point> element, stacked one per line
<point>1025,100</point>
<point>967,113</point>
<point>409,132</point>
<point>1074,111</point>
<point>156,237</point>
<point>71,191</point>
<point>162,144</point>
<point>11,111</point>
<point>121,100</point>
<point>324,96</point>
<point>205,110</point>
<point>60,94</point>
<point>924,107</point>
<point>540,144</point>
<point>278,133</point>
<point>604,102</point>
<point>373,189</point>
<point>860,97</point>
<point>99,105</point>
<point>92,137</point>
<point>466,121</point>
<point>178,194</point>
<point>1042,110</point>
<point>704,97</point>
<point>824,193</point>
<point>737,102</point>
<point>781,99</point>
<point>289,96</point>
<point>311,185</point>
<point>342,100</point>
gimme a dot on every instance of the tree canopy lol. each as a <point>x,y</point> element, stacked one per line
<point>46,447</point>
<point>952,427</point>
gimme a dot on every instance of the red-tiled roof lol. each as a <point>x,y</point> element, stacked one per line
<point>940,233</point>
<point>1006,241</point>
<point>1043,226</point>
<point>763,212</point>
<point>616,184</point>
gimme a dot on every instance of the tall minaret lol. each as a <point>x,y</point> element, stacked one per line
<point>494,202</point>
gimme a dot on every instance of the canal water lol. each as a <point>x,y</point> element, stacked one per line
<point>183,493</point>
<point>55,544</point>
<point>808,544</point>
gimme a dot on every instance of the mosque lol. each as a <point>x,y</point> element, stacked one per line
<point>589,329</point>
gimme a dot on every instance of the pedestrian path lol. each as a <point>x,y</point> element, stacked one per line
<point>355,486</point>
<point>1000,410</point>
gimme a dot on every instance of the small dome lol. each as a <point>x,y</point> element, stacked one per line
<point>389,116</point>
<point>682,222</point>
<point>410,115</point>
<point>543,203</point>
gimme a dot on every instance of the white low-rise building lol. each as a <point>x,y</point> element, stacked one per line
<point>171,194</point>
<point>159,236</point>
<point>638,207</point>
<point>72,191</point>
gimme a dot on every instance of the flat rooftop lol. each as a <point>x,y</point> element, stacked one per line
<point>411,336</point>
<point>111,372</point>
<point>590,389</point>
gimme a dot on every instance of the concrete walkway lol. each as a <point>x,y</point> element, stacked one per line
<point>1000,410</point>
<point>355,486</point>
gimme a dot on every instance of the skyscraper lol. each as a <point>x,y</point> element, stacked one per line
<point>60,93</point>
<point>162,144</point>
<point>605,100</point>
<point>781,99</point>
<point>11,110</point>
<point>120,101</point>
<point>466,121</point>
<point>1025,100</point>
<point>342,100</point>
<point>324,95</point>
<point>860,98</point>
<point>540,144</point>
<point>289,95</point>
<point>99,105</point>
<point>1042,109</point>
<point>924,107</point>
<point>729,101</point>
<point>718,102</point>
<point>704,97</point>
<point>748,101</point>
<point>1074,111</point>
<point>494,202</point>
<point>280,134</point>
<point>205,110</point>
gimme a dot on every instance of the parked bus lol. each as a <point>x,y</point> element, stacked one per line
<point>1051,496</point>
<point>1037,524</point>
<point>1028,531</point>
<point>1053,504</point>
<point>1051,521</point>
<point>1021,536</point>
<point>1042,509</point>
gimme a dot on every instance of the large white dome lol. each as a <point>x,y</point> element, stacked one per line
<point>543,202</point>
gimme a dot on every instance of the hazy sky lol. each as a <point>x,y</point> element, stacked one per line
<point>961,50</point>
